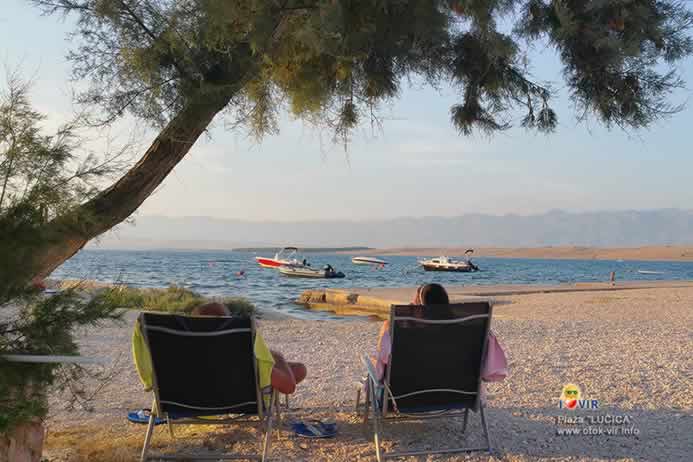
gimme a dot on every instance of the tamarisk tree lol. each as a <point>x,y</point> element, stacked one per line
<point>176,64</point>
<point>42,176</point>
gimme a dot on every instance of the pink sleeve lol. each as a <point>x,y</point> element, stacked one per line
<point>383,354</point>
<point>495,364</point>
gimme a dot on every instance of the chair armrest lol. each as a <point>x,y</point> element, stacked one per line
<point>52,359</point>
<point>267,391</point>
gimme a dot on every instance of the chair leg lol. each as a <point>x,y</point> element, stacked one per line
<point>376,425</point>
<point>367,404</point>
<point>148,437</point>
<point>268,429</point>
<point>358,400</point>
<point>278,408</point>
<point>170,428</point>
<point>466,418</point>
<point>485,427</point>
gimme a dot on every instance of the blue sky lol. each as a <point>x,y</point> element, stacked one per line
<point>417,166</point>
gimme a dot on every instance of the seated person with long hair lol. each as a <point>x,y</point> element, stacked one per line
<point>493,365</point>
<point>273,369</point>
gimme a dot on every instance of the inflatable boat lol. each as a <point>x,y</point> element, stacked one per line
<point>307,272</point>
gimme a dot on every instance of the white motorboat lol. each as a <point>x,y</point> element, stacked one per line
<point>368,261</point>
<point>449,264</point>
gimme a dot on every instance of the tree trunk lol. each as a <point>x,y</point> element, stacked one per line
<point>67,234</point>
<point>23,443</point>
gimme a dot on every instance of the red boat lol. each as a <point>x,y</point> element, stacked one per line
<point>288,256</point>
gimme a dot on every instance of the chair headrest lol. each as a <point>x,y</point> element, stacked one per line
<point>455,311</point>
<point>194,324</point>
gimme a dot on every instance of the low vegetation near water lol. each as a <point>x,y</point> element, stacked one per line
<point>173,299</point>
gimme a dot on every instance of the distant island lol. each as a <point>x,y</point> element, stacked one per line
<point>556,228</point>
<point>309,249</point>
<point>645,253</point>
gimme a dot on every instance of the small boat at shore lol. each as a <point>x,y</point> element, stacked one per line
<point>286,256</point>
<point>307,272</point>
<point>449,264</point>
<point>368,261</point>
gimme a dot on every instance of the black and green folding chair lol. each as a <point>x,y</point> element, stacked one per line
<point>205,367</point>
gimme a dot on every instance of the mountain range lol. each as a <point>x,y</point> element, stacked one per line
<point>626,228</point>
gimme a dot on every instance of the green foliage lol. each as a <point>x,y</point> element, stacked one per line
<point>616,54</point>
<point>39,325</point>
<point>172,299</point>
<point>335,61</point>
<point>41,176</point>
<point>238,306</point>
<point>50,172</point>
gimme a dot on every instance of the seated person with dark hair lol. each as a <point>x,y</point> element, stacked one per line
<point>273,369</point>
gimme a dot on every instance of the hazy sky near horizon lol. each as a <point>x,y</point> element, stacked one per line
<point>417,165</point>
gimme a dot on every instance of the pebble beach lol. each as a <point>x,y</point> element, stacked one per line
<point>630,350</point>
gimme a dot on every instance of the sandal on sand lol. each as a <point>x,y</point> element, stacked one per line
<point>315,429</point>
<point>142,417</point>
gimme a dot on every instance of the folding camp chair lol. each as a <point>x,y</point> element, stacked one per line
<point>434,369</point>
<point>205,366</point>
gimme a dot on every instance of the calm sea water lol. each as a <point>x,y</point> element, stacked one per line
<point>214,273</point>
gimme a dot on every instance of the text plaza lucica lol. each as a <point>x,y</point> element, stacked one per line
<point>603,419</point>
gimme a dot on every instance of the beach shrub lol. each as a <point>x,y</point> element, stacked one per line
<point>238,306</point>
<point>173,299</point>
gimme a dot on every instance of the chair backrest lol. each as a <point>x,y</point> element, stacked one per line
<point>202,365</point>
<point>436,355</point>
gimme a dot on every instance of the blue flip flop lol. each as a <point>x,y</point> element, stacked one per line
<point>314,429</point>
<point>142,417</point>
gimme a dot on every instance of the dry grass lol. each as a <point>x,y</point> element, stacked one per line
<point>123,442</point>
<point>84,443</point>
<point>118,443</point>
<point>603,300</point>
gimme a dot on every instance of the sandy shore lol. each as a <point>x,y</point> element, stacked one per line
<point>631,350</point>
<point>650,253</point>
<point>377,301</point>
